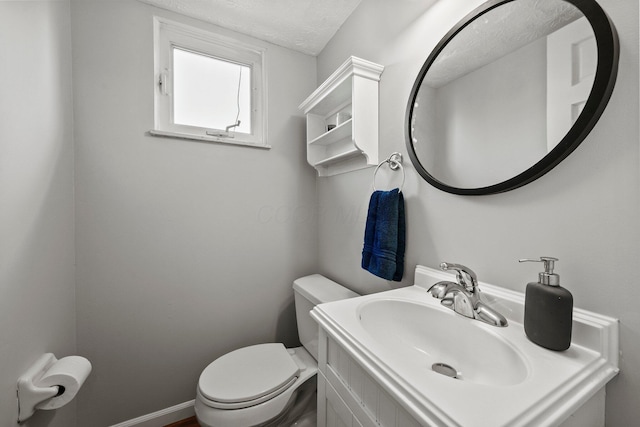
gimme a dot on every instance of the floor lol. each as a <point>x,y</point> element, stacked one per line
<point>308,420</point>
<point>189,422</point>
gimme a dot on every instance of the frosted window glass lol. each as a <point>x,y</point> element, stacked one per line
<point>210,93</point>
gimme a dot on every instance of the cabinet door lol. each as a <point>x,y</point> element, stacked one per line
<point>332,410</point>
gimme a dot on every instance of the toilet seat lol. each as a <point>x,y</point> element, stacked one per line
<point>248,376</point>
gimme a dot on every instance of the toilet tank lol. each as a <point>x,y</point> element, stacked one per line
<point>310,291</point>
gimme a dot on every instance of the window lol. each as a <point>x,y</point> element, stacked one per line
<point>208,87</point>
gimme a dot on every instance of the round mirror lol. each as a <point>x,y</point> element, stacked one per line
<point>509,92</point>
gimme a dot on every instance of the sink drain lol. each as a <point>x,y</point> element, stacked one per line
<point>444,369</point>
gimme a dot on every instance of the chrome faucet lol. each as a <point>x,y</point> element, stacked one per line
<point>463,296</point>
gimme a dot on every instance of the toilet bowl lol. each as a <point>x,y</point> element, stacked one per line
<point>268,384</point>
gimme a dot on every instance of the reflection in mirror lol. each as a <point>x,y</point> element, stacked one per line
<point>502,92</point>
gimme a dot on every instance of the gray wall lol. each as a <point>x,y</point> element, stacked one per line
<point>584,212</point>
<point>505,150</point>
<point>37,301</point>
<point>185,250</point>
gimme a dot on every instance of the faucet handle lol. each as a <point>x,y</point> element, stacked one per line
<point>464,275</point>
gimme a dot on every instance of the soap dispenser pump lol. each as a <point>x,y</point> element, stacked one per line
<point>548,309</point>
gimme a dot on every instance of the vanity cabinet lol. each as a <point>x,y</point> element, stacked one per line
<point>376,357</point>
<point>349,396</point>
<point>342,119</point>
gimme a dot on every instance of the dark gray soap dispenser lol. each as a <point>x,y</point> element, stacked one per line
<point>548,309</point>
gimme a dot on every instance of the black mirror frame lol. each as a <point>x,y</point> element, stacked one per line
<point>606,72</point>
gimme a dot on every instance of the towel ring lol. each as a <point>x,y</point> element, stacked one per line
<point>394,161</point>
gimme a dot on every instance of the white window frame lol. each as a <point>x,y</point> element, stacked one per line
<point>169,34</point>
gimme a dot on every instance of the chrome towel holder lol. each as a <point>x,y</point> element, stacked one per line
<point>394,161</point>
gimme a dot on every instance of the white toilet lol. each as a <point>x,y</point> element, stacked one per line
<point>268,384</point>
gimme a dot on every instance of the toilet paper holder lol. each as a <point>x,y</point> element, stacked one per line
<point>31,394</point>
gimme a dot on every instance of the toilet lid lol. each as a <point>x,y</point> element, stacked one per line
<point>249,373</point>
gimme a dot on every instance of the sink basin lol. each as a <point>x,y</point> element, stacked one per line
<point>436,339</point>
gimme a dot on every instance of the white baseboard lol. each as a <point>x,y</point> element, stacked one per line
<point>162,417</point>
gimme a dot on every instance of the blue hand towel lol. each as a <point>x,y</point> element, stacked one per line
<point>384,235</point>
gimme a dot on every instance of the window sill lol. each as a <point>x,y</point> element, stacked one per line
<point>230,141</point>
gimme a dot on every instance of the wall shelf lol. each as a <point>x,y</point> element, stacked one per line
<point>344,130</point>
<point>350,92</point>
<point>353,152</point>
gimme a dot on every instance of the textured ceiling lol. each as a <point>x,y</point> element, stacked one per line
<point>499,32</point>
<point>302,25</point>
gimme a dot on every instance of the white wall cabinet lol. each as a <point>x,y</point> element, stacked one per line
<point>342,119</point>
